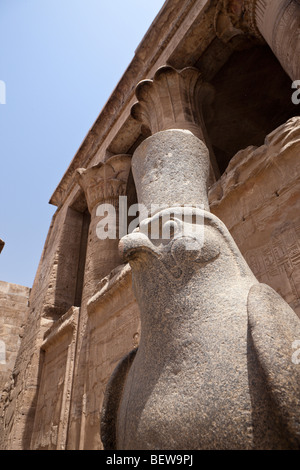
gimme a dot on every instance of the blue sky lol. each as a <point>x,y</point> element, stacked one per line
<point>60,61</point>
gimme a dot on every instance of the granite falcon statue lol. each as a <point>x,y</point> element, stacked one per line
<point>214,366</point>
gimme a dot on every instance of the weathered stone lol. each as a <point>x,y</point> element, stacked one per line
<point>105,181</point>
<point>199,299</point>
<point>14,312</point>
<point>53,405</point>
<point>112,327</point>
<point>54,393</point>
<point>205,329</point>
<point>263,190</point>
<point>198,378</point>
<point>276,22</point>
<point>103,184</point>
<point>13,317</point>
<point>163,166</point>
<point>174,100</point>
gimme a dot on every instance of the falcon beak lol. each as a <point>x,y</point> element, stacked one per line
<point>134,244</point>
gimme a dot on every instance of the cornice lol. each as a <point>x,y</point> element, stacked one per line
<point>152,49</point>
<point>67,324</point>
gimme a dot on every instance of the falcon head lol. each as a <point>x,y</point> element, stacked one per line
<point>182,239</point>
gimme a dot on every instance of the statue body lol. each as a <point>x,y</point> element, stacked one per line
<point>213,369</point>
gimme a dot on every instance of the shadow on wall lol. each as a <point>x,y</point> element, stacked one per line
<point>253,97</point>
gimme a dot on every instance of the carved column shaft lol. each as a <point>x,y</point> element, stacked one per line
<point>103,184</point>
<point>279,24</point>
<point>275,21</point>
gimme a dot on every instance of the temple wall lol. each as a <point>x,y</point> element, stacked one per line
<point>113,331</point>
<point>256,197</point>
<point>54,397</point>
<point>13,316</point>
<point>258,200</point>
<point>52,294</point>
<point>76,331</point>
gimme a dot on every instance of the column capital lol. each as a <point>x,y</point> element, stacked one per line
<point>174,100</point>
<point>237,18</point>
<point>105,182</point>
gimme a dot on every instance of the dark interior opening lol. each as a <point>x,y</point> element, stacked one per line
<point>253,97</point>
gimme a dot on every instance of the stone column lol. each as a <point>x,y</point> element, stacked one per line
<point>103,184</point>
<point>275,21</point>
<point>178,100</point>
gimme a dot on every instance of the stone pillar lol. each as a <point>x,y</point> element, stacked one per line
<point>102,185</point>
<point>279,23</point>
<point>173,100</point>
<point>275,21</point>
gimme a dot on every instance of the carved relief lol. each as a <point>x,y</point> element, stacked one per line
<point>264,184</point>
<point>277,263</point>
<point>53,405</point>
<point>235,18</point>
<point>278,156</point>
<point>274,22</point>
<point>113,327</point>
<point>285,38</point>
<point>103,184</point>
